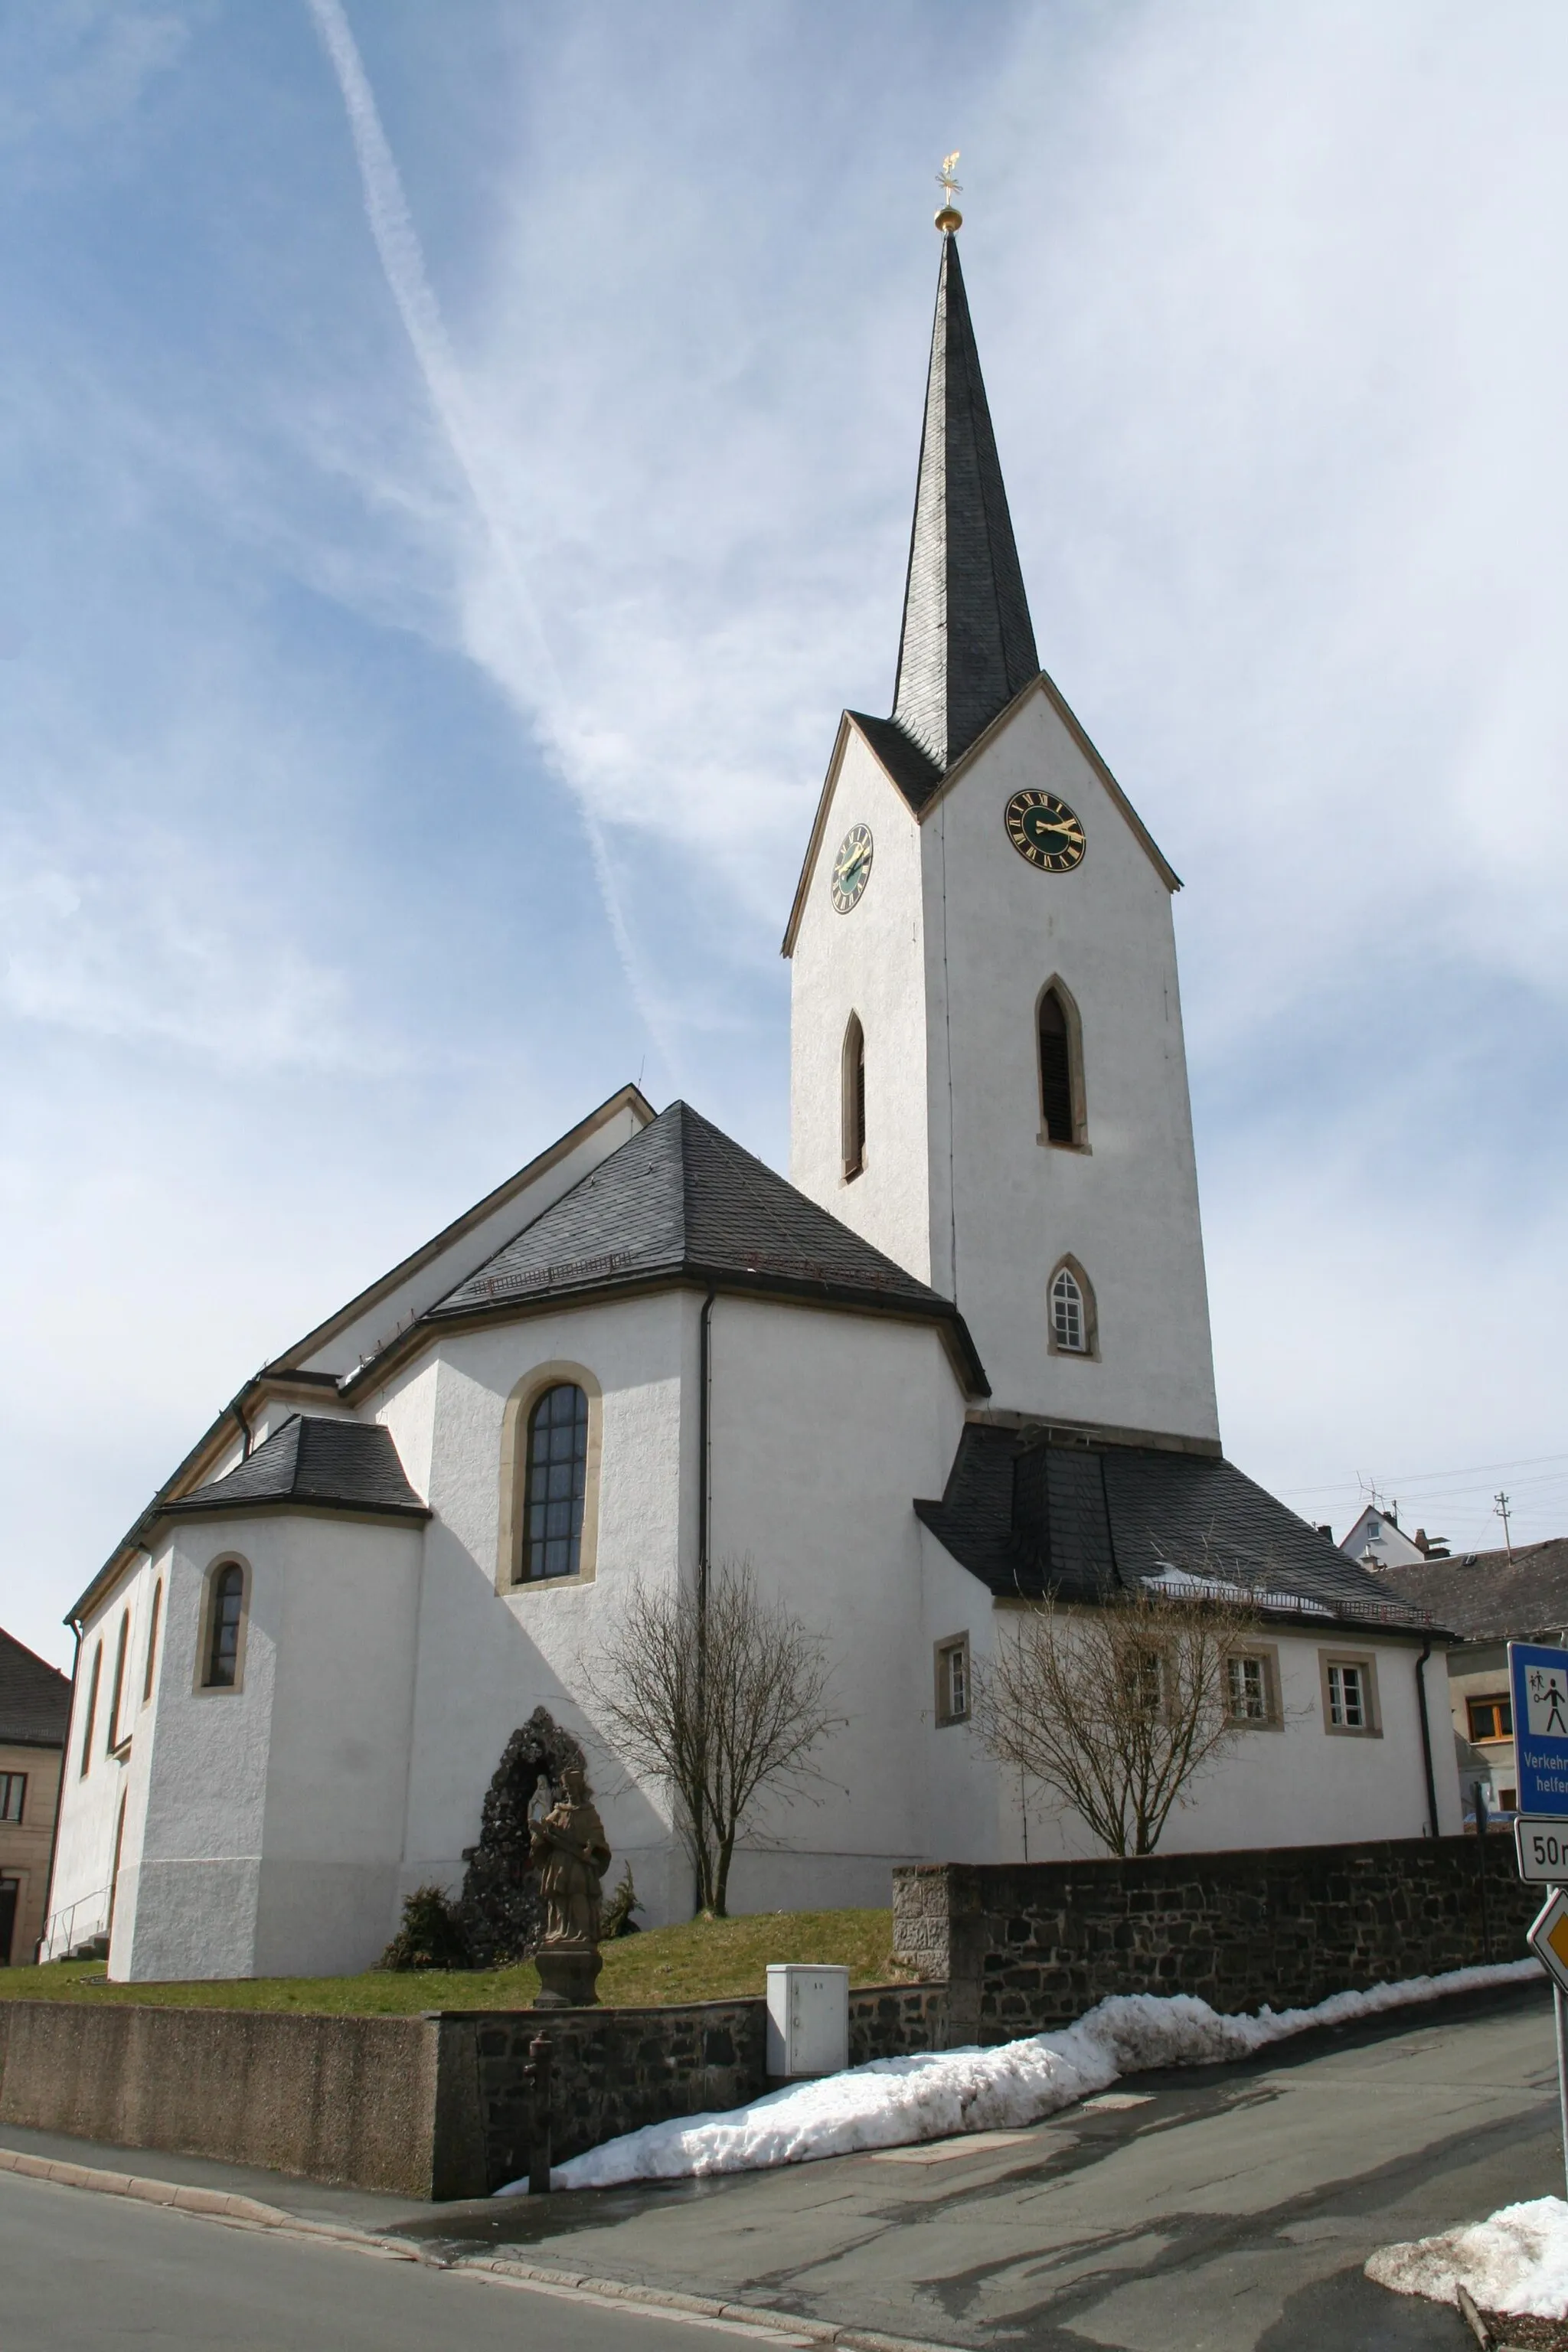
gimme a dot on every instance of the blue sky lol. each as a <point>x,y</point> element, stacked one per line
<point>414,686</point>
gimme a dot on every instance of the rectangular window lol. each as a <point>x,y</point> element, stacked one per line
<point>1491,1718</point>
<point>952,1681</point>
<point>1248,1695</point>
<point>1347,1698</point>
<point>1350,1695</point>
<point>1508,1800</point>
<point>13,1795</point>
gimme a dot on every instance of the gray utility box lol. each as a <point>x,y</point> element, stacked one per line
<point>808,2021</point>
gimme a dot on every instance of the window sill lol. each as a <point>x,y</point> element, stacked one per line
<point>549,1584</point>
<point>1352,1731</point>
<point>950,1722</point>
<point>1255,1723</point>
<point>1055,1143</point>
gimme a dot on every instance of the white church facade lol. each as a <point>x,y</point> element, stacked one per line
<point>959,1361</point>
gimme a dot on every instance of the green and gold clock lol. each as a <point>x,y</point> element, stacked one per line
<point>1045,830</point>
<point>852,867</point>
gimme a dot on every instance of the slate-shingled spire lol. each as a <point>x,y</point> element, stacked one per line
<point>968,644</point>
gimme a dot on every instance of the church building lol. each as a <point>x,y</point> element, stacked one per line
<point>959,1361</point>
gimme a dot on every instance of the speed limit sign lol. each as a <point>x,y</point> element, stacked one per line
<point>1542,1845</point>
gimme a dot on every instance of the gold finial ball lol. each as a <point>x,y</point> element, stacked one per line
<point>949,219</point>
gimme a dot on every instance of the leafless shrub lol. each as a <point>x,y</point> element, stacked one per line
<point>727,1699</point>
<point>1118,1708</point>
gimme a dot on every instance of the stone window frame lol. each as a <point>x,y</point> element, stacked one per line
<point>954,1645</point>
<point>203,1686</point>
<point>95,1677</point>
<point>1072,1021</point>
<point>13,1787</point>
<point>115,1740</point>
<point>154,1620</point>
<point>1367,1663</point>
<point>513,1522</point>
<point>852,1088</point>
<point>1273,1716</point>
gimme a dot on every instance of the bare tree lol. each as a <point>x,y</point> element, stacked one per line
<point>1119,1707</point>
<point>726,1694</point>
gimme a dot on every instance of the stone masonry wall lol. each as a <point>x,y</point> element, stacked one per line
<point>1027,1947</point>
<point>613,2070</point>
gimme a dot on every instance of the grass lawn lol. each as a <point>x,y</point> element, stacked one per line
<point>706,1959</point>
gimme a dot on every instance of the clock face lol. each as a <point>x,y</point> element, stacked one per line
<point>852,867</point>
<point>1044,830</point>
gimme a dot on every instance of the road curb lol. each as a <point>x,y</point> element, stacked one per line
<point>211,2204</point>
<point>701,2306</point>
<point>249,2212</point>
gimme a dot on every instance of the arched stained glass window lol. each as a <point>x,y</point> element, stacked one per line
<point>557,1483</point>
<point>1068,1318</point>
<point>227,1607</point>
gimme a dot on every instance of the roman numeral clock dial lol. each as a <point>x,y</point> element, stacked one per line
<point>1045,832</point>
<point>852,867</point>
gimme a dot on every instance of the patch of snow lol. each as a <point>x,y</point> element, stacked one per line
<point>939,2094</point>
<point>1516,2261</point>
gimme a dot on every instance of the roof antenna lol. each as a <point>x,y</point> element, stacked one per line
<point>949,217</point>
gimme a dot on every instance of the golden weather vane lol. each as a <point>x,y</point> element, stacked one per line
<point>949,217</point>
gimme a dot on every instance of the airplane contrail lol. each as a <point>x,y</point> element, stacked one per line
<point>403,265</point>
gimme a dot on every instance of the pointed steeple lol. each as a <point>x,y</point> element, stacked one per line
<point>968,644</point>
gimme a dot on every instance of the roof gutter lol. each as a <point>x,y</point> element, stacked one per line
<point>75,1626</point>
<point>1426,1735</point>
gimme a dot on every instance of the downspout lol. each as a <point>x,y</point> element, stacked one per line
<point>1426,1735</point>
<point>76,1625</point>
<point>704,1449</point>
<point>244,1429</point>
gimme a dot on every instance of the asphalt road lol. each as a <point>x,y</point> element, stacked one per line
<point>83,2272</point>
<point>1216,2210</point>
<point>1225,2210</point>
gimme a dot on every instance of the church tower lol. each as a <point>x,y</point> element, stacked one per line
<point>988,1078</point>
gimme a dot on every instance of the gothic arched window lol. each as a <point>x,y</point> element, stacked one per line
<point>854,1098</point>
<point>226,1613</point>
<point>117,1687</point>
<point>93,1680</point>
<point>1070,1301</point>
<point>557,1483</point>
<point>1060,1066</point>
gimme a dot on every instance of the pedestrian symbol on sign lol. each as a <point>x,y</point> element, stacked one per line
<point>1546,1692</point>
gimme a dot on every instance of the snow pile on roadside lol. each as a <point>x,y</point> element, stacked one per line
<point>1516,2261</point>
<point>936,2094</point>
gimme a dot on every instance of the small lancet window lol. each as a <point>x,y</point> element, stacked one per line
<point>153,1641</point>
<point>93,1680</point>
<point>1059,1120</point>
<point>1069,1320</point>
<point>557,1483</point>
<point>227,1604</point>
<point>117,1689</point>
<point>854,1099</point>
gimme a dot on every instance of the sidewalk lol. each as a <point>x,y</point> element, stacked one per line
<point>1229,2208</point>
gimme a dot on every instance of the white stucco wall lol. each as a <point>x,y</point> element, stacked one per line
<point>90,1803</point>
<point>944,958</point>
<point>870,961</point>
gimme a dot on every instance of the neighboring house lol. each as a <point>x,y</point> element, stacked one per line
<point>1378,1540</point>
<point>960,1361</point>
<point>35,1709</point>
<point>1490,1599</point>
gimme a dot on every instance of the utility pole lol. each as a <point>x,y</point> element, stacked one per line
<point>1500,1511</point>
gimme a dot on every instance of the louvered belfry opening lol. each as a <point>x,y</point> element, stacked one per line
<point>854,1098</point>
<point>1056,1071</point>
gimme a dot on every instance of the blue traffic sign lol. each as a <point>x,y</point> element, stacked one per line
<point>1538,1679</point>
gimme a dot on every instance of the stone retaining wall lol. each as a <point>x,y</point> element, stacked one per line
<point>1026,1946</point>
<point>615,2070</point>
<point>431,2107</point>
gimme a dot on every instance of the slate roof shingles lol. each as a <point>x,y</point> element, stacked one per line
<point>1491,1598</point>
<point>1028,1516</point>
<point>683,1198</point>
<point>313,1460</point>
<point>34,1698</point>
